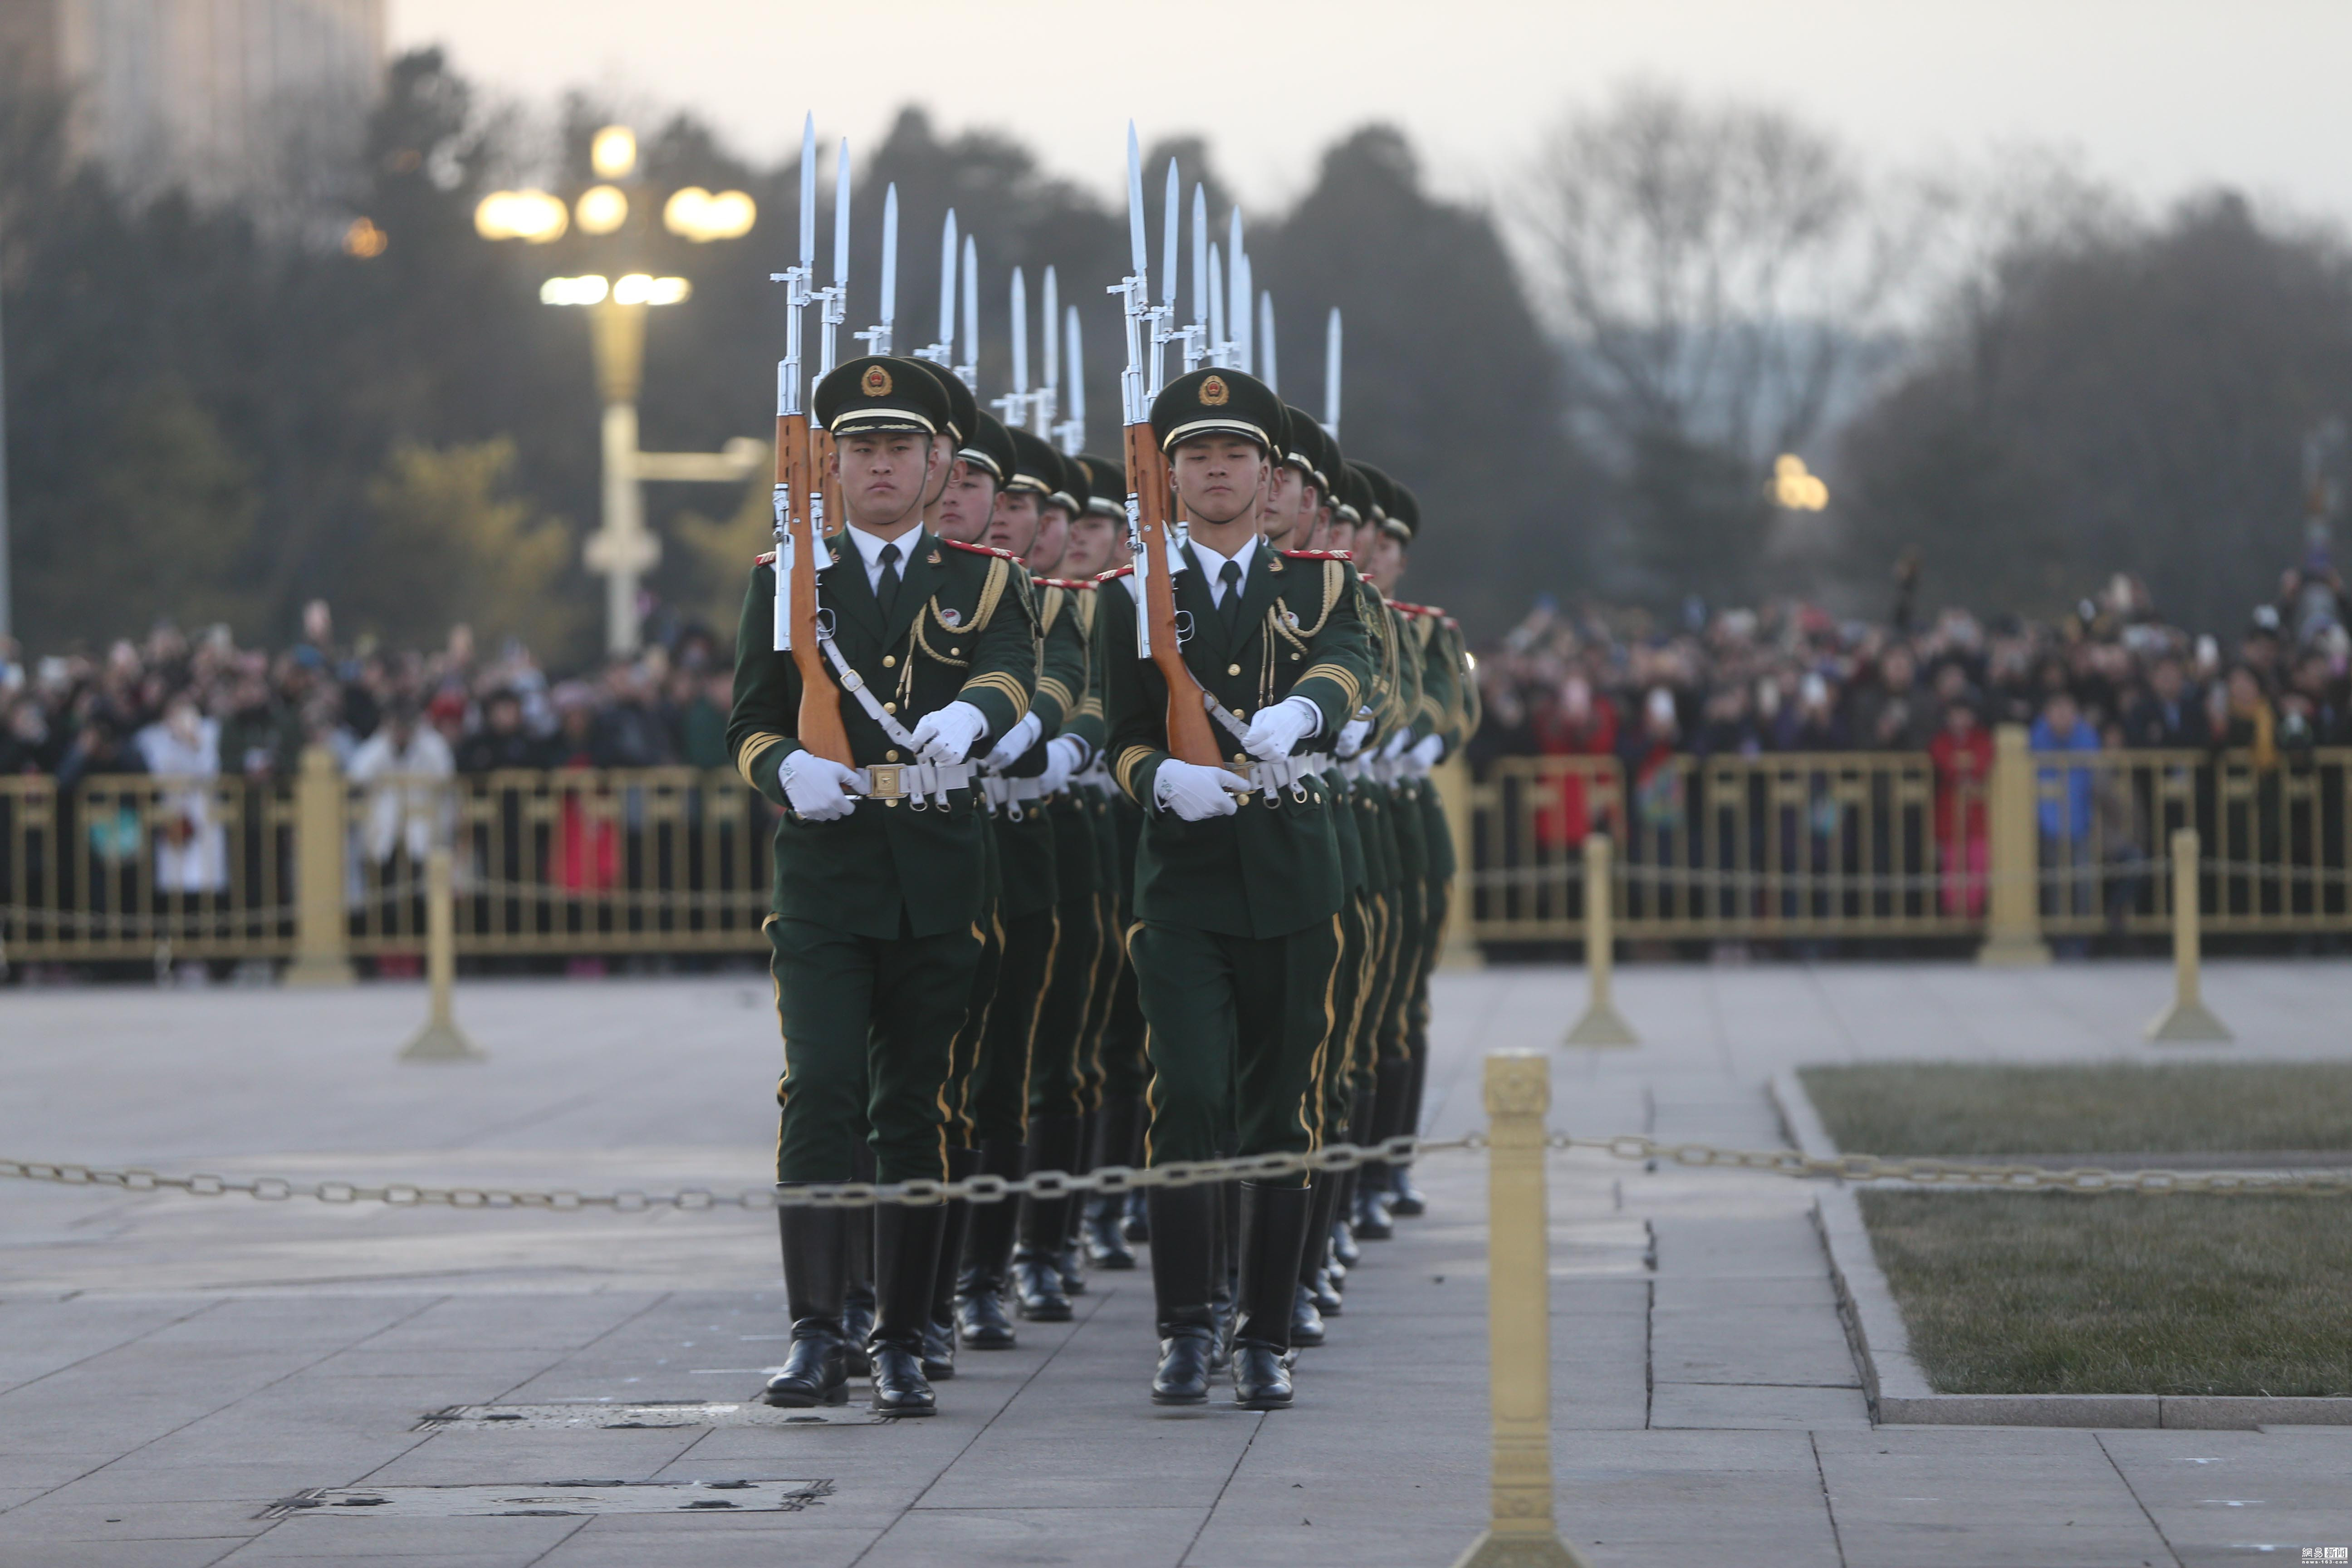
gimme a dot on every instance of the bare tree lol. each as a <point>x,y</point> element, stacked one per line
<point>1722,273</point>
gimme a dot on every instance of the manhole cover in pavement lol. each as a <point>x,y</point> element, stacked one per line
<point>642,1415</point>
<point>552,1500</point>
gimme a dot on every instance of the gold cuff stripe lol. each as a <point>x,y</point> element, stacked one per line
<point>749,752</point>
<point>1340,675</point>
<point>1054,688</point>
<point>1128,761</point>
<point>1006,686</point>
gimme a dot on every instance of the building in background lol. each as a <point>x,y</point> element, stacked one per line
<point>257,102</point>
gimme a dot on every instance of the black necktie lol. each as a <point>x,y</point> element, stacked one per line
<point>1230,609</point>
<point>886,589</point>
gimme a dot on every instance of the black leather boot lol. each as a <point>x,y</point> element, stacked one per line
<point>1370,1220</point>
<point>1116,1143</point>
<point>1405,1199</point>
<point>1224,1261</point>
<point>1036,1262</point>
<point>1314,1261</point>
<point>939,1334</point>
<point>1273,1235</point>
<point>814,1370</point>
<point>1183,1219</point>
<point>1072,1258</point>
<point>987,1254</point>
<point>906,1260</point>
<point>857,1267</point>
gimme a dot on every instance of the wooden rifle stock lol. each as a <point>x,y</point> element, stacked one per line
<point>1190,737</point>
<point>821,732</point>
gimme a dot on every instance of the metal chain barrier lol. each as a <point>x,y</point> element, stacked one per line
<point>1402,1150</point>
<point>1962,1173</point>
<point>984,1189</point>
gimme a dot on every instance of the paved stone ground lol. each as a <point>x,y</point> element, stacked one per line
<point>169,1365</point>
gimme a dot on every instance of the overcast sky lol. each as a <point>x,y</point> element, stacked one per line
<point>2161,95</point>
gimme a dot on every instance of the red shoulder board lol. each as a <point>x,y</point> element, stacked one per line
<point>1114,572</point>
<point>978,549</point>
<point>1318,554</point>
<point>767,560</point>
<point>1451,625</point>
<point>1416,609</point>
<point>1070,583</point>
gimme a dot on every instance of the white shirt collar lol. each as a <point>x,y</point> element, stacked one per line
<point>870,546</point>
<point>1214,562</point>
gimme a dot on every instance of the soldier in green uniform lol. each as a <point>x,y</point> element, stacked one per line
<point>1115,1029</point>
<point>1237,899</point>
<point>878,867</point>
<point>997,1095</point>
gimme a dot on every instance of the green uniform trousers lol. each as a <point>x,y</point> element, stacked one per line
<point>972,1031</point>
<point>1238,1030</point>
<point>1061,1076</point>
<point>997,1095</point>
<point>1343,1068</point>
<point>1120,1053</point>
<point>869,1025</point>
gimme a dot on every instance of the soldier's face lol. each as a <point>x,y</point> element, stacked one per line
<point>883,476</point>
<point>1092,536</point>
<point>1219,478</point>
<point>1385,559</point>
<point>1015,525</point>
<point>967,503</point>
<point>1045,556</point>
<point>1286,510</point>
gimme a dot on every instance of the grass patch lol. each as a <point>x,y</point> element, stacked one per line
<point>1961,1109</point>
<point>2064,1293</point>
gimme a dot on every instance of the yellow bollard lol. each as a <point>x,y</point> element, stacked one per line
<point>2188,1018</point>
<point>441,1040</point>
<point>1602,1024</point>
<point>2013,930</point>
<point>321,940</point>
<point>1520,1532</point>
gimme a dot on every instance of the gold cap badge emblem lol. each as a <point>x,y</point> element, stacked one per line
<point>876,383</point>
<point>1214,392</point>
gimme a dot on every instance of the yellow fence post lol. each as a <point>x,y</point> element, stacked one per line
<point>441,1040</point>
<point>2013,931</point>
<point>1519,1532</point>
<point>321,939</point>
<point>1602,1024</point>
<point>1451,780</point>
<point>2188,1018</point>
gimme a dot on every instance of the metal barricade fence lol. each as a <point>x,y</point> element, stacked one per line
<point>586,862</point>
<point>1877,845</point>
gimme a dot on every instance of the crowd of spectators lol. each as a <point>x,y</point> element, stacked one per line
<point>202,707</point>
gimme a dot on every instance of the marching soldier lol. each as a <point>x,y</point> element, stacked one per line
<point>879,866</point>
<point>1238,877</point>
<point>996,1098</point>
<point>1115,1031</point>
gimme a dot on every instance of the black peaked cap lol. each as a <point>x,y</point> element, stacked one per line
<point>1406,510</point>
<point>1106,484</point>
<point>1035,466</point>
<point>1218,403</point>
<point>1304,443</point>
<point>877,392</point>
<point>990,447</point>
<point>962,409</point>
<point>1075,487</point>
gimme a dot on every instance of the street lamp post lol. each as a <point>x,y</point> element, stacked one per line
<point>622,550</point>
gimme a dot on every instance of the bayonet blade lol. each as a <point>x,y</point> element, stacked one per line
<point>808,192</point>
<point>948,284</point>
<point>1139,253</point>
<point>1216,307</point>
<point>1200,258</point>
<point>1244,319</point>
<point>1331,373</point>
<point>1167,237</point>
<point>1077,427</point>
<point>969,367</point>
<point>1265,341</point>
<point>1047,338</point>
<point>1020,334</point>
<point>889,263</point>
<point>841,219</point>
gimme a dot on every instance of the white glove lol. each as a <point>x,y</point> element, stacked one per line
<point>1428,751</point>
<point>1196,794</point>
<point>1397,744</point>
<point>1277,728</point>
<point>945,736</point>
<point>1351,736</point>
<point>820,790</point>
<point>1017,740</point>
<point>1065,754</point>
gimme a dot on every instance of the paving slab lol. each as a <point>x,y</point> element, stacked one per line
<point>177,1364</point>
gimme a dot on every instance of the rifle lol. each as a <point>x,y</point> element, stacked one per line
<point>797,532</point>
<point>1190,737</point>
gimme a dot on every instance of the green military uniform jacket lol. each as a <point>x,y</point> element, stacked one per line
<point>962,631</point>
<point>1067,610</point>
<point>1025,845</point>
<point>1274,867</point>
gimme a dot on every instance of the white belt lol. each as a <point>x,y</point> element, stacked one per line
<point>1097,777</point>
<point>1286,773</point>
<point>1009,793</point>
<point>899,781</point>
